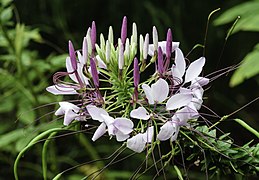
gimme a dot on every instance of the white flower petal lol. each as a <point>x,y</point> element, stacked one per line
<point>177,77</point>
<point>121,137</point>
<point>124,125</point>
<point>166,131</point>
<point>148,135</point>
<point>61,89</point>
<point>136,143</point>
<point>70,70</point>
<point>194,69</point>
<point>140,113</point>
<point>148,93</point>
<point>65,106</point>
<point>69,111</point>
<point>162,44</point>
<point>178,100</point>
<point>160,90</point>
<point>180,62</point>
<point>70,115</point>
<point>101,63</point>
<point>96,113</point>
<point>176,132</point>
<point>99,132</point>
<point>200,81</point>
<point>80,70</point>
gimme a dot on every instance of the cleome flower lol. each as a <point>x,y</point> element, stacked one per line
<point>102,76</point>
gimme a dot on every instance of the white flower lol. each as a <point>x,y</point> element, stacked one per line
<point>138,142</point>
<point>162,44</point>
<point>158,91</point>
<point>70,112</point>
<point>193,71</point>
<point>120,127</point>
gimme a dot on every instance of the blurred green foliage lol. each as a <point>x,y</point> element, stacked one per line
<point>249,21</point>
<point>33,40</point>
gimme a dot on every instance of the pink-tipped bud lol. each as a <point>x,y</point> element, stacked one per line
<point>94,72</point>
<point>169,44</point>
<point>72,55</point>
<point>136,74</point>
<point>93,35</point>
<point>124,30</point>
<point>160,63</point>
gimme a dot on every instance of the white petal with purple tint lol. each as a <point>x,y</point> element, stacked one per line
<point>160,90</point>
<point>99,132</point>
<point>96,113</point>
<point>166,131</point>
<point>124,125</point>
<point>136,143</point>
<point>178,100</point>
<point>62,89</point>
<point>194,69</point>
<point>140,113</point>
<point>148,93</point>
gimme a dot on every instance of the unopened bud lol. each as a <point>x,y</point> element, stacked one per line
<point>72,55</point>
<point>124,30</point>
<point>94,72</point>
<point>110,35</point>
<point>155,38</point>
<point>145,46</point>
<point>93,35</point>
<point>121,55</point>
<point>108,51</point>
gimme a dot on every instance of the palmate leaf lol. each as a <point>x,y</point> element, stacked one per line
<point>249,68</point>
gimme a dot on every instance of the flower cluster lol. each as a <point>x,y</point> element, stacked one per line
<point>106,79</point>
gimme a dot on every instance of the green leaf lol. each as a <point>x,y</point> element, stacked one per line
<point>249,68</point>
<point>6,2</point>
<point>239,10</point>
<point>6,14</point>
<point>10,137</point>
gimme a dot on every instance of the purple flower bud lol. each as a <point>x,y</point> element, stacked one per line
<point>169,44</point>
<point>160,64</point>
<point>93,35</point>
<point>94,72</point>
<point>124,30</point>
<point>136,74</point>
<point>72,55</point>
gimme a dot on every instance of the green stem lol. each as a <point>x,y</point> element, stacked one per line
<point>246,126</point>
<point>44,156</point>
<point>34,141</point>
